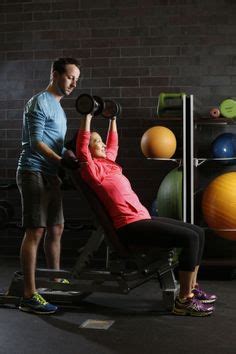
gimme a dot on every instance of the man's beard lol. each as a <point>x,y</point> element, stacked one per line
<point>61,91</point>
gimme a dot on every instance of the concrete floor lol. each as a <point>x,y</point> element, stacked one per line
<point>140,325</point>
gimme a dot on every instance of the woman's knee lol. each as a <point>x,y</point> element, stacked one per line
<point>191,241</point>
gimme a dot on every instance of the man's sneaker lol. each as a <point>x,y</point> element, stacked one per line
<point>192,307</point>
<point>204,297</point>
<point>37,304</point>
<point>63,281</point>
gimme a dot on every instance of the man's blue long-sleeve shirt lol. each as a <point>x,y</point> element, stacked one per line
<point>44,120</point>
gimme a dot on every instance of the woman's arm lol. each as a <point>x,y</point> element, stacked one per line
<point>82,140</point>
<point>86,123</point>
<point>112,125</point>
<point>89,170</point>
<point>112,140</point>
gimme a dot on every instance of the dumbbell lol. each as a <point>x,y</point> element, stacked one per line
<point>87,104</point>
<point>111,109</point>
<point>228,108</point>
<point>215,112</point>
<point>170,104</point>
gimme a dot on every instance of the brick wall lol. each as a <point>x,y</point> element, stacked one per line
<point>130,51</point>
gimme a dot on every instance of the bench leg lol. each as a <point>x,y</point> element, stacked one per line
<point>169,286</point>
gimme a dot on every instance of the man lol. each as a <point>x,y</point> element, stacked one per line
<point>44,129</point>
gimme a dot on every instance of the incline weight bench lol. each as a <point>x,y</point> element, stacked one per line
<point>124,269</point>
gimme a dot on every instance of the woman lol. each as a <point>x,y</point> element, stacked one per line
<point>133,222</point>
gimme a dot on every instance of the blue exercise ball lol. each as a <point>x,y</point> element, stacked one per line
<point>224,146</point>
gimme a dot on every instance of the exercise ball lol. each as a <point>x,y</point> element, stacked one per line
<point>158,142</point>
<point>224,145</point>
<point>219,205</point>
<point>169,195</point>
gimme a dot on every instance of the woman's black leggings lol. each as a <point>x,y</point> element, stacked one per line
<point>167,233</point>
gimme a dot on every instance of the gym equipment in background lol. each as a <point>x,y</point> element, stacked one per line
<point>215,112</point>
<point>170,195</point>
<point>159,142</point>
<point>224,146</point>
<point>170,104</point>
<point>6,208</point>
<point>6,213</point>
<point>228,108</point>
<point>95,105</point>
<point>154,208</point>
<point>219,205</point>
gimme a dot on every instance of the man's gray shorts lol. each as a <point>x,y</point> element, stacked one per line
<point>41,199</point>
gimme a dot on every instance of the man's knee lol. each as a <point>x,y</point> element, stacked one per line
<point>34,234</point>
<point>55,232</point>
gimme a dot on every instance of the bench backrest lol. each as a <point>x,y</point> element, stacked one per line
<point>100,214</point>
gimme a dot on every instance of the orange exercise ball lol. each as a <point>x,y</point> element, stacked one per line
<point>158,142</point>
<point>219,205</point>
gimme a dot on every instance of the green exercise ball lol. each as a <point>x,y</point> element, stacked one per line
<point>169,195</point>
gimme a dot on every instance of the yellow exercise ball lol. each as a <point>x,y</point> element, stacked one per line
<point>158,142</point>
<point>219,205</point>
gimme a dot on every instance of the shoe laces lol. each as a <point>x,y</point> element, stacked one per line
<point>196,304</point>
<point>199,291</point>
<point>40,299</point>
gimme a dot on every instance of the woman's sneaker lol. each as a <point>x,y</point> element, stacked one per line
<point>37,304</point>
<point>204,297</point>
<point>192,307</point>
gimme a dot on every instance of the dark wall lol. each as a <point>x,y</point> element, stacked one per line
<point>130,51</point>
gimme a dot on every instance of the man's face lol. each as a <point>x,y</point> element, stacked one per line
<point>96,146</point>
<point>67,81</point>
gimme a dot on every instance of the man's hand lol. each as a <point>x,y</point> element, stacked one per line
<point>69,160</point>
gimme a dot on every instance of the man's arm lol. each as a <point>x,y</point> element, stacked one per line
<point>35,120</point>
<point>45,150</point>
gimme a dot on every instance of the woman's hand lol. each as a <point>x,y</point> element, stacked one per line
<point>112,124</point>
<point>85,122</point>
<point>89,116</point>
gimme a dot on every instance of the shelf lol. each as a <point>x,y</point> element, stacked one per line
<point>200,160</point>
<point>197,160</point>
<point>215,121</point>
<point>179,161</point>
<point>217,230</point>
<point>169,119</point>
